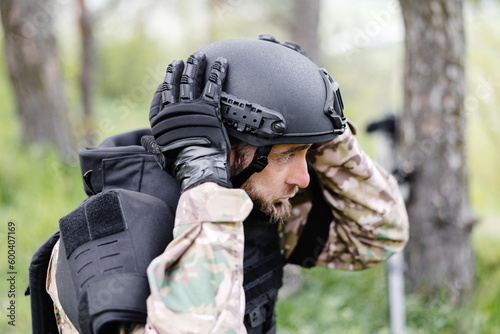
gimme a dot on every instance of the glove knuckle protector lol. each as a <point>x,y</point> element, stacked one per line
<point>190,83</point>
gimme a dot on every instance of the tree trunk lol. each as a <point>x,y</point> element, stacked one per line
<point>304,26</point>
<point>87,70</point>
<point>439,253</point>
<point>35,71</point>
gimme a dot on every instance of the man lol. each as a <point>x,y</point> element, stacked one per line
<point>269,174</point>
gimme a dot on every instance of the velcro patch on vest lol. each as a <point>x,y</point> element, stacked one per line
<point>97,217</point>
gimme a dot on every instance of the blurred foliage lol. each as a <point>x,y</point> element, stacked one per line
<point>483,98</point>
<point>37,186</point>
<point>119,73</point>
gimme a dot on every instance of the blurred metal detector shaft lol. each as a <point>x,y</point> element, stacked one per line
<point>395,274</point>
<point>387,156</point>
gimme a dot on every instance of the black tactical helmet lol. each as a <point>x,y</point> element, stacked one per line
<point>274,94</point>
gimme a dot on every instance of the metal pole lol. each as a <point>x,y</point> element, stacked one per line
<point>395,274</point>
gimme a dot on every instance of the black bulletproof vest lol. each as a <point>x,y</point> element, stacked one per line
<point>262,272</point>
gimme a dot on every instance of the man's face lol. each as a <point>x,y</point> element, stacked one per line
<point>272,188</point>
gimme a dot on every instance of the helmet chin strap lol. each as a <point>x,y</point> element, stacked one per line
<point>259,162</point>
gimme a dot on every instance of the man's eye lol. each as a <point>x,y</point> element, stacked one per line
<point>286,158</point>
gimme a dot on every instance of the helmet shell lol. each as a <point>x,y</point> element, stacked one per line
<point>278,78</point>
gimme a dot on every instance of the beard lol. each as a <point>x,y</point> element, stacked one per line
<point>278,211</point>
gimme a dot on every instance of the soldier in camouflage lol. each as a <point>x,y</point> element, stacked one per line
<point>314,199</point>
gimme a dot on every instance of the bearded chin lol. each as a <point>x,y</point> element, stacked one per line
<point>277,211</point>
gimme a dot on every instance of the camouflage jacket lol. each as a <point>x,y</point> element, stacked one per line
<point>196,284</point>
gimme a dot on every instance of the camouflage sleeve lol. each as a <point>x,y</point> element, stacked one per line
<point>370,220</point>
<point>197,283</point>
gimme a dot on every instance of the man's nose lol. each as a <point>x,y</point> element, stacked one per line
<point>299,175</point>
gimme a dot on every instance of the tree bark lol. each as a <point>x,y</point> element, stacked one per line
<point>87,69</point>
<point>304,26</point>
<point>439,253</point>
<point>35,71</point>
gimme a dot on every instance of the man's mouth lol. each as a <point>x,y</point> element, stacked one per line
<point>284,199</point>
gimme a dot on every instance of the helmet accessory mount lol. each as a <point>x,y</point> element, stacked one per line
<point>248,117</point>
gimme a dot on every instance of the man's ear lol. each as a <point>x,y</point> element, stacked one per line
<point>240,156</point>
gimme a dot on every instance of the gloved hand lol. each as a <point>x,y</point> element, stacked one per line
<point>186,123</point>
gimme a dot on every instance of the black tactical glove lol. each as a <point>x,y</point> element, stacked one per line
<point>187,126</point>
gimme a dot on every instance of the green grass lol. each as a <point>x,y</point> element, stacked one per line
<point>331,301</point>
